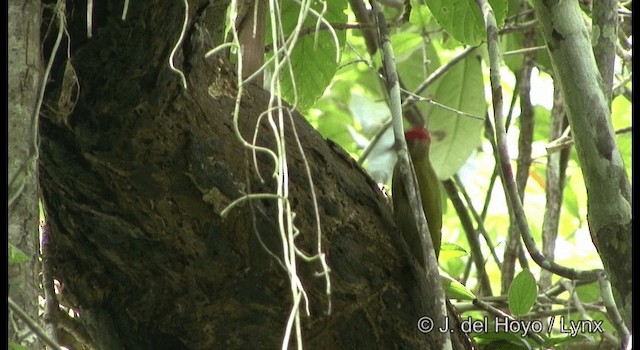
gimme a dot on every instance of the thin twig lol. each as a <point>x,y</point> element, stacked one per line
<point>612,310</point>
<point>500,314</point>
<point>575,301</point>
<point>479,220</point>
<point>472,237</point>
<point>526,50</point>
<point>374,141</point>
<point>525,139</point>
<point>32,325</point>
<point>554,187</point>
<point>564,141</point>
<point>518,27</point>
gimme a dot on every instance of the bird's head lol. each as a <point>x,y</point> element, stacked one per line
<point>418,140</point>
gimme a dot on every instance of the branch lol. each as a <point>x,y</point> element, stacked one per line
<point>499,313</point>
<point>506,171</point>
<point>33,325</point>
<point>575,300</point>
<point>479,219</point>
<point>555,175</point>
<point>525,139</point>
<point>408,175</point>
<point>612,311</point>
<point>472,236</point>
<point>369,33</point>
<point>564,141</point>
<point>51,302</point>
<point>374,141</point>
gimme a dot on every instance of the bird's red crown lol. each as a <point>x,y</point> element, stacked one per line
<point>418,133</point>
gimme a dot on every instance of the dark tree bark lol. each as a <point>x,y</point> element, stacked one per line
<point>135,178</point>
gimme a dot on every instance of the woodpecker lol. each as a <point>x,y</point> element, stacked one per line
<point>418,143</point>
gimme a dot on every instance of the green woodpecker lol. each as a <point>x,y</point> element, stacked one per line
<point>418,142</point>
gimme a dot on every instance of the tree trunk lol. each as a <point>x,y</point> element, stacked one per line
<point>25,76</point>
<point>135,178</point>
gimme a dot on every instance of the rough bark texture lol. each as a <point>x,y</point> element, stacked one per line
<point>25,75</point>
<point>134,181</point>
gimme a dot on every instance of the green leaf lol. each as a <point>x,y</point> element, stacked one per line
<point>313,59</point>
<point>450,251</point>
<point>454,266</point>
<point>413,69</point>
<point>15,346</point>
<point>462,19</point>
<point>454,289</point>
<point>500,10</point>
<point>16,256</point>
<point>420,14</point>
<point>405,43</point>
<point>522,293</point>
<point>332,122</point>
<point>455,136</point>
<point>512,42</point>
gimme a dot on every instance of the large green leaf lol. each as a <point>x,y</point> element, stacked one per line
<point>462,19</point>
<point>522,293</point>
<point>405,43</point>
<point>313,59</point>
<point>416,64</point>
<point>454,136</point>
